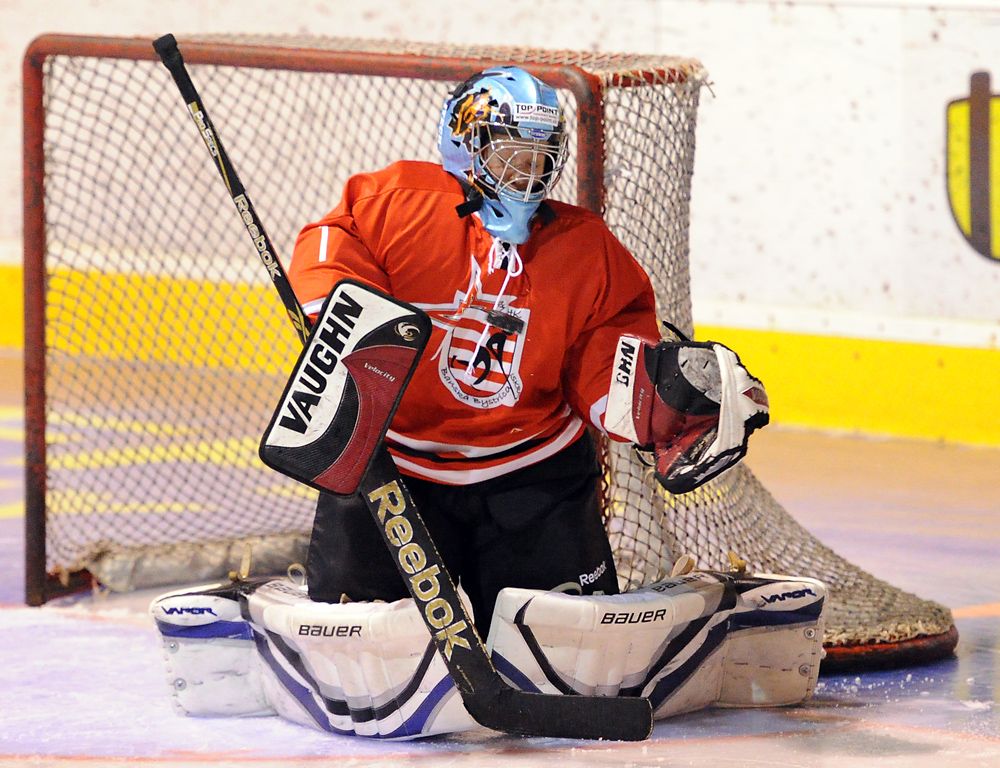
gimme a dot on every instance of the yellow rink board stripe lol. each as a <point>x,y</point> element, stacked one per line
<point>11,307</point>
<point>873,387</point>
<point>866,386</point>
<point>237,452</point>
<point>102,315</point>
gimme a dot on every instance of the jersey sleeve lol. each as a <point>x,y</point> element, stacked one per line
<point>625,304</point>
<point>343,244</point>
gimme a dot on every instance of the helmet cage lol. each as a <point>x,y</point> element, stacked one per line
<point>518,164</point>
<point>503,132</point>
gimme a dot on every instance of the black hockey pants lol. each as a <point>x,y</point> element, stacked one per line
<point>538,527</point>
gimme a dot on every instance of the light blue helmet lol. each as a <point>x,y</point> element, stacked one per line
<point>504,133</point>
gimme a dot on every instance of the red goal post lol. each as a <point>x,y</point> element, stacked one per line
<point>146,389</point>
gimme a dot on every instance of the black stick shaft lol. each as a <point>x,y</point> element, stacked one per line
<point>170,54</point>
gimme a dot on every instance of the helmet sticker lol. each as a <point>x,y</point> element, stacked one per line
<point>537,113</point>
<point>503,132</point>
<point>473,107</point>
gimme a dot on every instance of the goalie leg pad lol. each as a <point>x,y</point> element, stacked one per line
<point>687,643</point>
<point>653,642</point>
<point>775,642</point>
<point>209,654</point>
<point>368,669</point>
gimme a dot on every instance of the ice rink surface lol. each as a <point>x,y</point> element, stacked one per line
<point>81,680</point>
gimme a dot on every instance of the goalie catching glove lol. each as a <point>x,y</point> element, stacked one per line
<point>692,403</point>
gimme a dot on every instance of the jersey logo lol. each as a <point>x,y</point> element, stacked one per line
<point>481,370</point>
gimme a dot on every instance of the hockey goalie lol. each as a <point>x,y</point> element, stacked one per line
<point>482,334</point>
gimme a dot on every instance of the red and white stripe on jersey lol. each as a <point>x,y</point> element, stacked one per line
<point>462,464</point>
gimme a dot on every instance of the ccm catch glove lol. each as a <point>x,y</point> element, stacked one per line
<point>692,403</point>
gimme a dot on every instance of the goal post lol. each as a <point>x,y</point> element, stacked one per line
<point>147,388</point>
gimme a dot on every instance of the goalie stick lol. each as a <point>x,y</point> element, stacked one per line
<point>489,700</point>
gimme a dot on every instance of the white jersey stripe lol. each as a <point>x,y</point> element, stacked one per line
<point>467,451</point>
<point>313,307</point>
<point>574,428</point>
<point>324,241</point>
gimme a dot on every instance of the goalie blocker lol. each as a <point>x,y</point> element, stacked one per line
<point>693,403</point>
<point>345,388</point>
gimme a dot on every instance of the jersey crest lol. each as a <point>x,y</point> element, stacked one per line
<point>481,370</point>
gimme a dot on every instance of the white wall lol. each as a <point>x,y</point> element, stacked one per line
<point>820,175</point>
<point>819,200</point>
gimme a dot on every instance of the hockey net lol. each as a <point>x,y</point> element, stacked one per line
<point>156,347</point>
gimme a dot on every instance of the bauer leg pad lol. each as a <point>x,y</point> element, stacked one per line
<point>368,669</point>
<point>657,642</point>
<point>687,643</point>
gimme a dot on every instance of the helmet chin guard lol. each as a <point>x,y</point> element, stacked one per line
<point>503,132</point>
<point>508,220</point>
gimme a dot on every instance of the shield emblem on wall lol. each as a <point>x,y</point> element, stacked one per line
<point>973,165</point>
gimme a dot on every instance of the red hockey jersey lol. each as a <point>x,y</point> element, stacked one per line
<point>509,377</point>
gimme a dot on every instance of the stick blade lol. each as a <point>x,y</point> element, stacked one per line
<point>562,717</point>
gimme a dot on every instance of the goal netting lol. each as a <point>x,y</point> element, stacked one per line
<point>156,347</point>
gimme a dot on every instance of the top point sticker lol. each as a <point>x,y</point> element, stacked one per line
<point>537,113</point>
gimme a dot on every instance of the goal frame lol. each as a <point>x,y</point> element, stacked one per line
<point>587,89</point>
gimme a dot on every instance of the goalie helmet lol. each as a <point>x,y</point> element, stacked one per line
<point>504,133</point>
